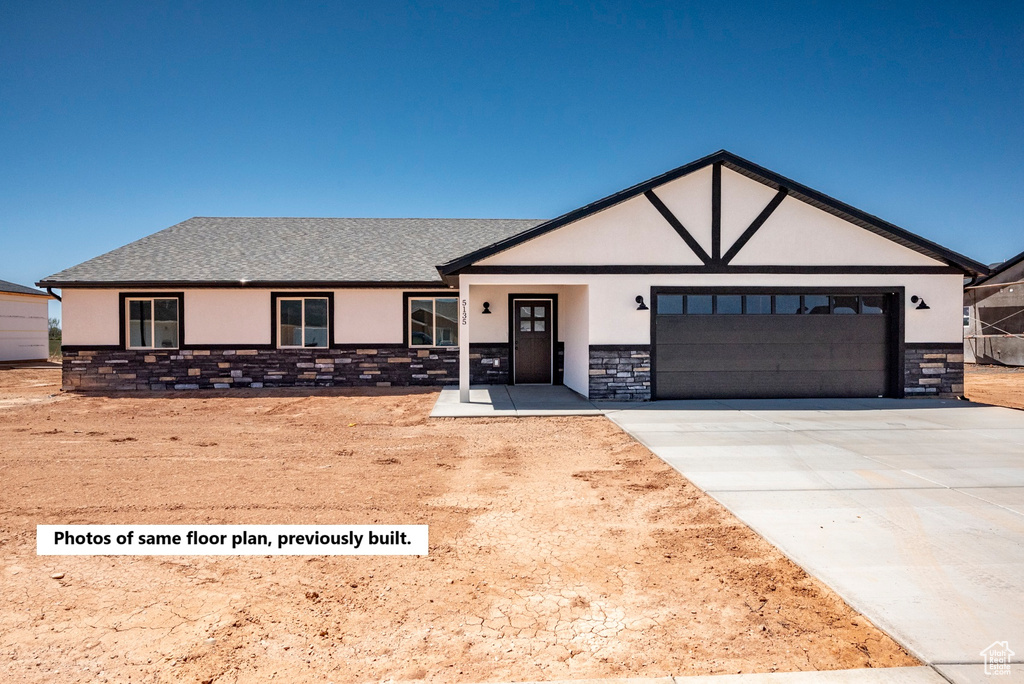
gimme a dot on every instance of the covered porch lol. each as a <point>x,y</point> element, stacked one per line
<point>529,333</point>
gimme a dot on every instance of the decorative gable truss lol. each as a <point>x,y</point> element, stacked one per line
<point>719,214</point>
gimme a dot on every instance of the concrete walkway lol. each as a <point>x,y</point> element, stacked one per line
<point>912,510</point>
<point>866,676</point>
<point>513,400</point>
<point>892,675</point>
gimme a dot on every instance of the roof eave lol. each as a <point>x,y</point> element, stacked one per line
<point>247,284</point>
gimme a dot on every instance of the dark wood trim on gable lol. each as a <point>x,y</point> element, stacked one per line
<point>123,315</point>
<point>676,224</point>
<point>716,213</point>
<point>743,239</point>
<point>753,171</point>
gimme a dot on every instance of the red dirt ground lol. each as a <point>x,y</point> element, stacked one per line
<point>560,548</point>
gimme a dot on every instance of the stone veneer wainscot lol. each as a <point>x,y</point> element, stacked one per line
<point>198,368</point>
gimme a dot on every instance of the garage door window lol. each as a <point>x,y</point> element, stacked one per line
<point>675,305</point>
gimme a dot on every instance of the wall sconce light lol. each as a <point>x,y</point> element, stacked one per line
<point>920,303</point>
<point>640,301</point>
<point>487,307</point>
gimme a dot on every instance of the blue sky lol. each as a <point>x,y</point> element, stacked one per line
<point>120,119</point>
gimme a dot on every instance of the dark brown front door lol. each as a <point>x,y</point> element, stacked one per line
<point>532,340</point>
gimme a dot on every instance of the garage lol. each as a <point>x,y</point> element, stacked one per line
<point>710,344</point>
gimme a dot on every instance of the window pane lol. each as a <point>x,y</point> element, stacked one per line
<point>759,304</point>
<point>421,322</point>
<point>291,323</point>
<point>787,304</point>
<point>816,304</point>
<point>872,304</point>
<point>730,304</point>
<point>446,322</point>
<point>670,304</point>
<point>165,323</point>
<point>698,304</point>
<point>538,311</point>
<point>316,323</point>
<point>140,317</point>
<point>538,326</point>
<point>967,316</point>
<point>525,326</point>
<point>525,311</point>
<point>844,305</point>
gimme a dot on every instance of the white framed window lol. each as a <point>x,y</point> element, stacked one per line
<point>967,317</point>
<point>433,322</point>
<point>303,322</point>
<point>152,322</point>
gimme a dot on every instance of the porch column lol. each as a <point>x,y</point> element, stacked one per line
<point>463,341</point>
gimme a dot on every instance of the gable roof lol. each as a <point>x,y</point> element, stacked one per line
<point>999,269</point>
<point>753,171</point>
<point>14,288</point>
<point>290,252</point>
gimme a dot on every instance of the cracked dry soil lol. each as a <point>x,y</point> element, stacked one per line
<point>560,548</point>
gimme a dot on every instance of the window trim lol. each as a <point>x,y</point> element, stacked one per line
<point>124,297</point>
<point>275,324</point>
<point>407,298</point>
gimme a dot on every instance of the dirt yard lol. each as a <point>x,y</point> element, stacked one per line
<point>1000,385</point>
<point>560,548</point>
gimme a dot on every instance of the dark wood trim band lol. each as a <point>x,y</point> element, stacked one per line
<point>677,225</point>
<point>251,284</point>
<point>710,268</point>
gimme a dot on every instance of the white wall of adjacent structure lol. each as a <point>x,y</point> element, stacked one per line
<point>24,328</point>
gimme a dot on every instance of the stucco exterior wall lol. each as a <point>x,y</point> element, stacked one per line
<point>613,317</point>
<point>226,316</point>
<point>629,233</point>
<point>23,327</point>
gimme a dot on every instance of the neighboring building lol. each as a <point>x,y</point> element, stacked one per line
<point>24,323</point>
<point>994,316</point>
<point>716,279</point>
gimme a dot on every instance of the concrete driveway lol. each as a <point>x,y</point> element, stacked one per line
<point>912,510</point>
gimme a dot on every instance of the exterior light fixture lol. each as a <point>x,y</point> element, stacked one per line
<point>640,302</point>
<point>487,307</point>
<point>920,303</point>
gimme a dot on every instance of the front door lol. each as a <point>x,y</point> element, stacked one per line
<point>532,338</point>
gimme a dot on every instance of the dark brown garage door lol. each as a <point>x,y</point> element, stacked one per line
<point>717,346</point>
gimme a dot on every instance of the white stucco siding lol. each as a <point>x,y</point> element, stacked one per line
<point>798,234</point>
<point>613,317</point>
<point>574,329</point>
<point>227,316</point>
<point>689,200</point>
<point>24,328</point>
<point>90,317</point>
<point>232,316</point>
<point>632,232</point>
<point>743,200</point>
<point>369,316</point>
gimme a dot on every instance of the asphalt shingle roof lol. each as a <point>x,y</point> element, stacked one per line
<point>306,250</point>
<point>14,288</point>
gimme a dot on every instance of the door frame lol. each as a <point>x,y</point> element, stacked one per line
<point>512,297</point>
<point>896,295</point>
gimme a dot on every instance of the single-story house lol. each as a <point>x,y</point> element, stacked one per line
<point>719,278</point>
<point>994,316</point>
<point>24,323</point>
